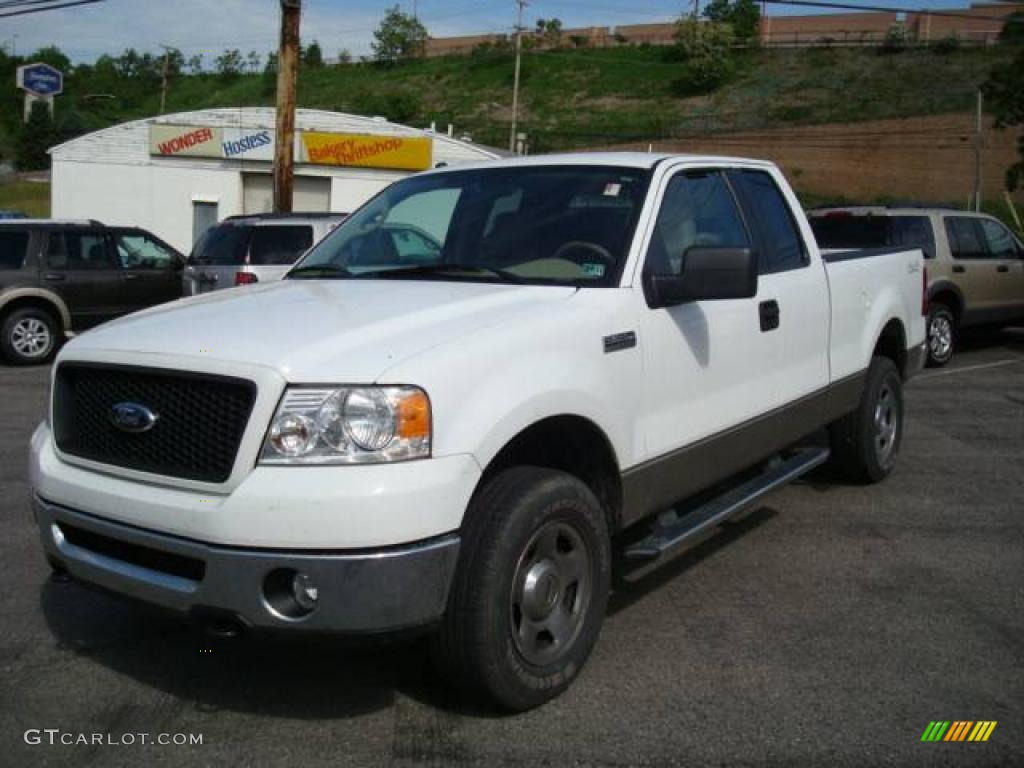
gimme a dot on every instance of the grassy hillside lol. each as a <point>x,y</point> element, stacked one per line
<point>575,98</point>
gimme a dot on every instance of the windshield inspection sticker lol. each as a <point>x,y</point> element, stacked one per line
<point>612,190</point>
<point>590,269</point>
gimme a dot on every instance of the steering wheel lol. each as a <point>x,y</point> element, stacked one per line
<point>600,251</point>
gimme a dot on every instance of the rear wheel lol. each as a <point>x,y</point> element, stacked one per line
<point>531,588</point>
<point>29,336</point>
<point>866,441</point>
<point>941,335</point>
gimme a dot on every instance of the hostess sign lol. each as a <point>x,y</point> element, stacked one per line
<point>40,79</point>
<point>409,153</point>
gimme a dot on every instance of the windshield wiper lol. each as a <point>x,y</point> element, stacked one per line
<point>427,270</point>
<point>330,271</point>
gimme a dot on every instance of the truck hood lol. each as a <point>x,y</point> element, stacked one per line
<point>316,331</point>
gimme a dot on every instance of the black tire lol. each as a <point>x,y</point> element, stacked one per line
<point>941,329</point>
<point>865,442</point>
<point>29,336</point>
<point>487,645</point>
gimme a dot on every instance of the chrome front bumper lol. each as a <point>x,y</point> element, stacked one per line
<point>380,590</point>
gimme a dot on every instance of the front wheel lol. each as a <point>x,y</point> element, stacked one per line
<point>941,335</point>
<point>530,591</point>
<point>866,441</point>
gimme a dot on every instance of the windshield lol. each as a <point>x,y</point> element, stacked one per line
<point>562,225</point>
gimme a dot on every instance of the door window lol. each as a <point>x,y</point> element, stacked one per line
<point>697,210</point>
<point>86,251</point>
<point>138,251</point>
<point>780,243</point>
<point>279,245</point>
<point>965,238</point>
<point>13,247</point>
<point>1000,243</point>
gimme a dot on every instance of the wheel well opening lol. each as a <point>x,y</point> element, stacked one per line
<point>949,299</point>
<point>571,444</point>
<point>26,302</point>
<point>892,343</point>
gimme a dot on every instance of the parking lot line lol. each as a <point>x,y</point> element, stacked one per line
<point>969,368</point>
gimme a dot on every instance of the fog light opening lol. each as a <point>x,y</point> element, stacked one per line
<point>291,594</point>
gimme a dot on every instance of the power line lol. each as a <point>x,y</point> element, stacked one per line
<point>26,10</point>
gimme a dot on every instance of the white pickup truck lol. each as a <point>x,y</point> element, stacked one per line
<point>461,404</point>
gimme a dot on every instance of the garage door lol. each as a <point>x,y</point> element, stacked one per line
<point>312,193</point>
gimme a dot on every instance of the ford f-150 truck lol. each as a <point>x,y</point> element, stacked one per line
<point>463,405</point>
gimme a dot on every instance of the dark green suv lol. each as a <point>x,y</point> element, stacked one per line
<point>58,278</point>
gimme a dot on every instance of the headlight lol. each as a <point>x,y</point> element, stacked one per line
<point>349,425</point>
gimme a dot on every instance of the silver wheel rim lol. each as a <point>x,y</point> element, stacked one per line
<point>887,420</point>
<point>31,337</point>
<point>551,593</point>
<point>940,337</point>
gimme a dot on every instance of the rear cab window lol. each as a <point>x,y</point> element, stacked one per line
<point>842,230</point>
<point>779,240</point>
<point>13,248</point>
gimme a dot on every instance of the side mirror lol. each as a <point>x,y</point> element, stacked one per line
<point>706,274</point>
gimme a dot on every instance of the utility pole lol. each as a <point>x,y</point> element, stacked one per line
<point>163,87</point>
<point>977,156</point>
<point>515,86</point>
<point>287,76</point>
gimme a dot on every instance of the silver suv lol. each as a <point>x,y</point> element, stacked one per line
<point>253,249</point>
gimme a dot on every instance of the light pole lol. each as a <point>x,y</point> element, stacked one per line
<point>515,85</point>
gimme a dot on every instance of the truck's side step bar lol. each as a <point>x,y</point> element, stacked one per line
<point>667,538</point>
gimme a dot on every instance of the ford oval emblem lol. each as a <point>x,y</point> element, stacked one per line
<point>132,417</point>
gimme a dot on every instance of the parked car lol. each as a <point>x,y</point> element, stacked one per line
<point>242,250</point>
<point>975,264</point>
<point>577,353</point>
<point>58,278</point>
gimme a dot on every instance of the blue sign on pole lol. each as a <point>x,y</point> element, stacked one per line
<point>40,79</point>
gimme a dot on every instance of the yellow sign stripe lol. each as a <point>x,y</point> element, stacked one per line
<point>982,724</point>
<point>988,731</point>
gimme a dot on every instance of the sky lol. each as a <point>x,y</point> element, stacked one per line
<point>209,26</point>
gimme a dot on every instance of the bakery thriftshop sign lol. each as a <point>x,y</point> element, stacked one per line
<point>407,153</point>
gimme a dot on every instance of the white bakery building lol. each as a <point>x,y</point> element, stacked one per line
<point>177,174</point>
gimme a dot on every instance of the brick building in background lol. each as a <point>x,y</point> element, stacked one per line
<point>864,28</point>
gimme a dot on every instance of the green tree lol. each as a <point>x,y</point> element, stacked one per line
<point>1004,91</point>
<point>399,36</point>
<point>229,63</point>
<point>706,53</point>
<point>195,64</point>
<point>743,16</point>
<point>53,56</point>
<point>549,31</point>
<point>35,137</point>
<point>313,56</point>
<point>1013,29</point>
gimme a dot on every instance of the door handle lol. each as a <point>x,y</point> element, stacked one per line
<point>769,313</point>
<point>1002,268</point>
<point>54,277</point>
<point>959,268</point>
<point>129,276</point>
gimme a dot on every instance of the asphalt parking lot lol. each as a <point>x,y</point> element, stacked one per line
<point>826,628</point>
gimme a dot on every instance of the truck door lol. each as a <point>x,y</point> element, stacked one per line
<point>795,287</point>
<point>708,365</point>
